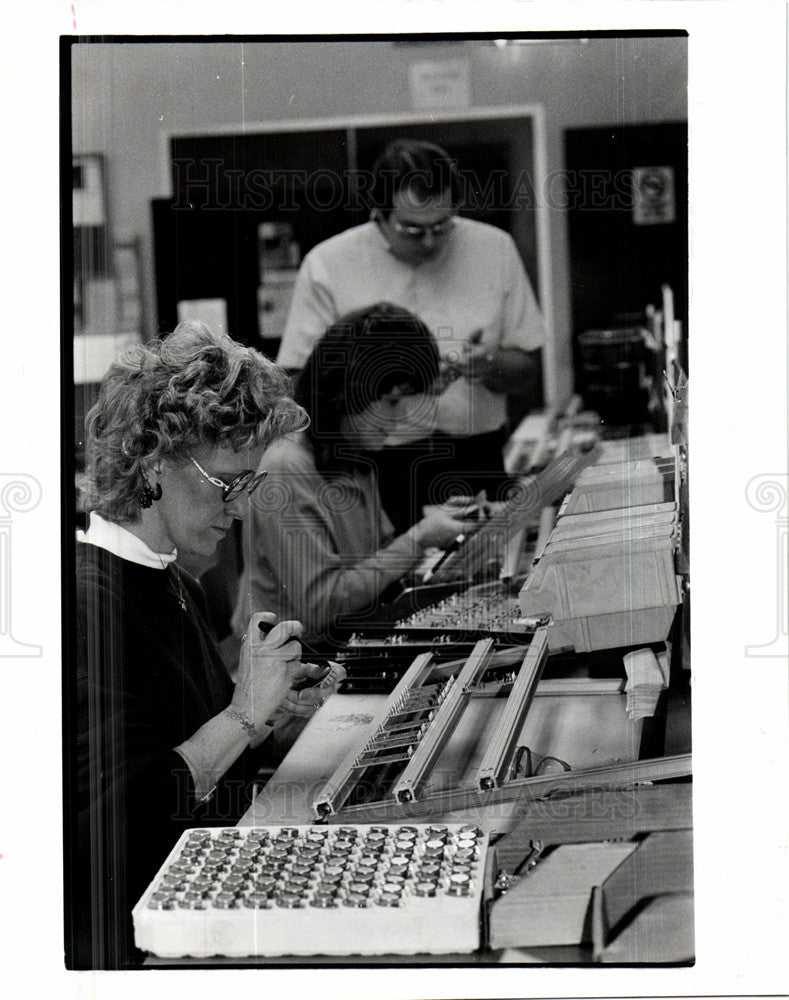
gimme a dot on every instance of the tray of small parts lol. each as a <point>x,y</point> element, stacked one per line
<point>316,890</point>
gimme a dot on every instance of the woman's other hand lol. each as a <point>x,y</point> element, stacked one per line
<point>314,684</point>
<point>268,667</point>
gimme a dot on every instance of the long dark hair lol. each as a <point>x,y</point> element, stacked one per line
<point>359,359</point>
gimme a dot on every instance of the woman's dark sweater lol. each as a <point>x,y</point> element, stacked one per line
<point>147,676</point>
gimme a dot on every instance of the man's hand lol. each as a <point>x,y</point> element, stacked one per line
<point>500,369</point>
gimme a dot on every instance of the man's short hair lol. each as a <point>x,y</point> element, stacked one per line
<point>426,169</point>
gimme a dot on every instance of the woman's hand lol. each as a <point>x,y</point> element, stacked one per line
<point>440,527</point>
<point>314,685</point>
<point>268,667</point>
<point>297,709</point>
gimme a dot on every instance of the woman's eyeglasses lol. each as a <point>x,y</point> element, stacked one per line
<point>248,480</point>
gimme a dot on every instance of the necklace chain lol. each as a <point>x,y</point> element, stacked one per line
<point>179,590</point>
<point>180,593</point>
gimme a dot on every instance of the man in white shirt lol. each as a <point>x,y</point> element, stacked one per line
<point>466,281</point>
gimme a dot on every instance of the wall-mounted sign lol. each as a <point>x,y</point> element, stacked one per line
<point>88,196</point>
<point>654,200</point>
<point>442,83</point>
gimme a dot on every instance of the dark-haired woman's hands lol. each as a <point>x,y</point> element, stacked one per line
<point>440,527</point>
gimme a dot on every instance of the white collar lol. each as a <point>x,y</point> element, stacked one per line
<point>121,542</point>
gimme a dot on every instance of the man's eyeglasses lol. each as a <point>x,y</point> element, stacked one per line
<point>248,480</point>
<point>419,232</point>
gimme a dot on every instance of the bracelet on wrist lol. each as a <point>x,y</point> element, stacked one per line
<point>244,721</point>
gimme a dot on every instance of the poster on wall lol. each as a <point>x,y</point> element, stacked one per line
<point>653,196</point>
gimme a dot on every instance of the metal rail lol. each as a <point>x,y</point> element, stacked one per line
<point>418,769</point>
<point>492,769</point>
<point>338,787</point>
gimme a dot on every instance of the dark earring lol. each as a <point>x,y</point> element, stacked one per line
<point>149,496</point>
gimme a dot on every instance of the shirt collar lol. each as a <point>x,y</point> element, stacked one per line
<point>121,542</point>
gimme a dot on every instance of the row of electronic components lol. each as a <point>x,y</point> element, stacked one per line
<point>486,612</point>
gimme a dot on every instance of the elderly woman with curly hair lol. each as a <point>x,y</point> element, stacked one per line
<point>161,737</point>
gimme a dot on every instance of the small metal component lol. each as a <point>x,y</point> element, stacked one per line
<point>195,894</point>
<point>233,883</point>
<point>323,901</point>
<point>289,900</point>
<point>388,899</point>
<point>425,889</point>
<point>257,901</point>
<point>180,868</point>
<point>364,873</point>
<point>191,903</point>
<point>504,881</point>
<point>466,854</point>
<point>355,899</point>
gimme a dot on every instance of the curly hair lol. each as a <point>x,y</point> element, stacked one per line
<point>166,398</point>
<point>359,359</point>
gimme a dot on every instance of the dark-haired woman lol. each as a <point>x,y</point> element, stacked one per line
<point>317,543</point>
<point>160,736</point>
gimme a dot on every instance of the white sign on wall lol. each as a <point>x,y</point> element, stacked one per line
<point>442,83</point>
